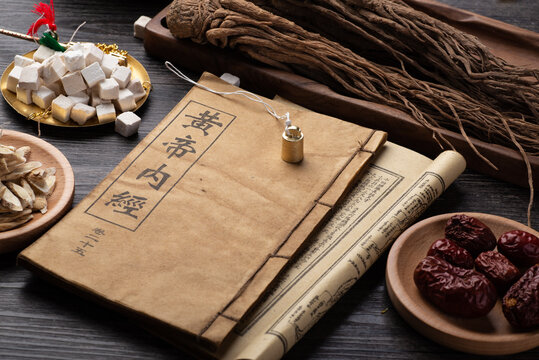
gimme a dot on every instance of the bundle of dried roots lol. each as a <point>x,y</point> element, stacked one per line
<point>279,42</point>
<point>379,30</point>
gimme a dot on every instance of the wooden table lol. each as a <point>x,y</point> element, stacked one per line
<point>39,321</point>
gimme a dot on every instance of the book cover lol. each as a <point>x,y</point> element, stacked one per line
<point>190,229</point>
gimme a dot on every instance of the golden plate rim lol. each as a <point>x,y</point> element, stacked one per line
<point>27,110</point>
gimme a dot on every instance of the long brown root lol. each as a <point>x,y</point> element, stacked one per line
<point>381,29</point>
<point>279,42</point>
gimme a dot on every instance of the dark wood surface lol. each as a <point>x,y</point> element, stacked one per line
<point>40,321</point>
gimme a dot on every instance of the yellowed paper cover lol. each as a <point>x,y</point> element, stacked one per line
<point>196,222</point>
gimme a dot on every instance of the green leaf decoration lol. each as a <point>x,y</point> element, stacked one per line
<point>49,41</point>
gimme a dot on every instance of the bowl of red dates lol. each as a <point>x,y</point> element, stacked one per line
<point>469,282</point>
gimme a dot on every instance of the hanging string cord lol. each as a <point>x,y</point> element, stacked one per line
<point>76,30</point>
<point>249,95</point>
<point>34,28</point>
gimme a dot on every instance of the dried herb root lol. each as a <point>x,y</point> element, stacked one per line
<point>279,42</point>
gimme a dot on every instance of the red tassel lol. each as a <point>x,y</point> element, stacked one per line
<point>47,16</point>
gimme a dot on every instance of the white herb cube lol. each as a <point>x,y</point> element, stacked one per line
<point>43,53</point>
<point>135,86</point>
<point>37,66</point>
<point>92,54</point>
<point>122,75</point>
<point>80,113</point>
<point>109,89</point>
<point>24,95</point>
<point>96,100</point>
<point>61,108</point>
<point>139,26</point>
<point>29,78</point>
<point>105,112</point>
<point>93,74</point>
<point>22,61</point>
<point>94,91</point>
<point>13,78</point>
<point>108,64</point>
<point>75,47</point>
<point>53,70</point>
<point>47,61</point>
<point>56,87</point>
<point>43,97</point>
<point>74,60</point>
<point>80,98</point>
<point>73,83</point>
<point>125,101</point>
<point>231,79</point>
<point>127,124</point>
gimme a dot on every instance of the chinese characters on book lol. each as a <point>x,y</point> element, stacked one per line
<point>89,241</point>
<point>161,164</point>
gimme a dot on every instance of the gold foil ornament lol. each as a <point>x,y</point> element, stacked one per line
<point>115,51</point>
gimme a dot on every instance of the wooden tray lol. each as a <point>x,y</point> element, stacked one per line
<point>58,203</point>
<point>517,45</point>
<point>487,335</point>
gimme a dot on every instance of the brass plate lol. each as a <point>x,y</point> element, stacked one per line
<point>137,72</point>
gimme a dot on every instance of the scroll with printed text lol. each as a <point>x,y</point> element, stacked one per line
<point>393,192</point>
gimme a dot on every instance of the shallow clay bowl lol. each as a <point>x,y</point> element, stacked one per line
<point>58,203</point>
<point>487,335</point>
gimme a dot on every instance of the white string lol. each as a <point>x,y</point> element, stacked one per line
<point>76,30</point>
<point>249,95</point>
<point>34,29</point>
<point>72,36</point>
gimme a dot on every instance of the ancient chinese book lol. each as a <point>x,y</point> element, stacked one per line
<point>191,228</point>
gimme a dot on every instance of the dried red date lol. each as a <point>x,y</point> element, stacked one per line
<point>521,247</point>
<point>470,233</point>
<point>454,290</point>
<point>498,269</point>
<point>451,252</point>
<point>521,303</point>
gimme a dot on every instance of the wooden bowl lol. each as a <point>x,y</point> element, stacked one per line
<point>58,203</point>
<point>487,335</point>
